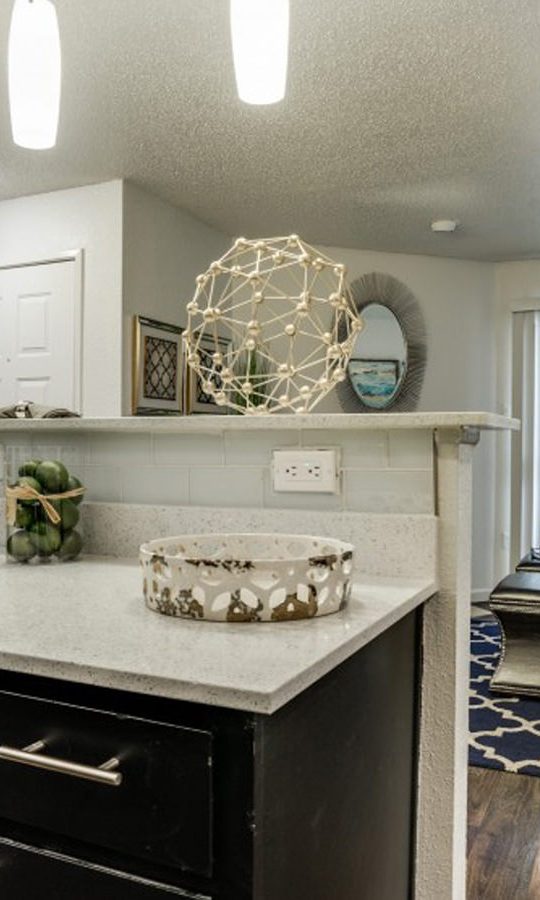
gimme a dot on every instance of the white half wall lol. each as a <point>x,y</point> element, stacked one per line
<point>45,226</point>
<point>164,250</point>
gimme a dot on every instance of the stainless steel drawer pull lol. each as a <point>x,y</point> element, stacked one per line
<point>30,756</point>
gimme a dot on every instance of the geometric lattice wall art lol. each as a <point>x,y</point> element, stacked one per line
<point>160,369</point>
<point>157,375</point>
<point>284,309</point>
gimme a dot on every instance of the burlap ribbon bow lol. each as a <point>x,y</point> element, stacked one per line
<point>25,492</point>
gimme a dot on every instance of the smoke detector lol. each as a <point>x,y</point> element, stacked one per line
<point>444,225</point>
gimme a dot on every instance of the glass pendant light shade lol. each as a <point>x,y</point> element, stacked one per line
<point>34,74</point>
<point>260,41</point>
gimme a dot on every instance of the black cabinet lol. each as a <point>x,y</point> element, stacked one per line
<point>315,801</point>
<point>30,874</point>
<point>162,808</point>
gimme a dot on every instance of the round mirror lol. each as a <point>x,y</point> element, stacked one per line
<point>378,363</point>
<point>387,364</point>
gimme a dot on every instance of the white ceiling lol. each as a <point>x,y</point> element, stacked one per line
<point>397,112</point>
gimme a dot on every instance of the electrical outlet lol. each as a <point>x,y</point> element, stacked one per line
<point>306,471</point>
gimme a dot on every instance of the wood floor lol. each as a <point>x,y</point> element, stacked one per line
<point>504,836</point>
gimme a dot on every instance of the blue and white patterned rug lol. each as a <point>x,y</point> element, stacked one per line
<point>504,732</point>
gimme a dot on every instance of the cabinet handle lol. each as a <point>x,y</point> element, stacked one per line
<point>30,756</point>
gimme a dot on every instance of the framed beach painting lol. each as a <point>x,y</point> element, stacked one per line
<point>197,400</point>
<point>374,380</point>
<point>158,372</point>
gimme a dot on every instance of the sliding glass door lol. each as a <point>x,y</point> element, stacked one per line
<point>526,443</point>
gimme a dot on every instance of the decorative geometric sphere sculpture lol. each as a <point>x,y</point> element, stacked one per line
<point>279,305</point>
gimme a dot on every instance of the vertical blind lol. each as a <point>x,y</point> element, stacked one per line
<point>526,443</point>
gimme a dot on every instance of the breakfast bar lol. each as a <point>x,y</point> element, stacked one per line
<point>318,758</point>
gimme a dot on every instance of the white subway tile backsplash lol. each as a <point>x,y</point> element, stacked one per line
<point>410,449</point>
<point>188,450</point>
<point>102,483</point>
<point>389,491</point>
<point>226,486</point>
<point>255,448</point>
<point>280,500</point>
<point>118,449</point>
<point>16,440</point>
<point>16,452</point>
<point>47,443</point>
<point>364,450</point>
<point>383,471</point>
<point>72,455</point>
<point>166,485</point>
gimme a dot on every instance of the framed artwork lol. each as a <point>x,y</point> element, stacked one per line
<point>374,380</point>
<point>158,374</point>
<point>197,401</point>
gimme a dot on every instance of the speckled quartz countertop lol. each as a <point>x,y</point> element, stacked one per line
<point>216,424</point>
<point>87,622</point>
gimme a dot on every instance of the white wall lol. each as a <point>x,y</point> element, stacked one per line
<point>457,300</point>
<point>44,226</point>
<point>165,249</point>
<point>456,297</point>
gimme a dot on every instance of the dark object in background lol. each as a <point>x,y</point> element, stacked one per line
<point>530,562</point>
<point>34,411</point>
<point>516,604</point>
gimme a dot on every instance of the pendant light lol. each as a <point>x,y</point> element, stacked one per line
<point>34,74</point>
<point>260,42</point>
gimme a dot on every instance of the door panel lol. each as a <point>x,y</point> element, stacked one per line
<point>38,321</point>
<point>35,390</point>
<point>33,324</point>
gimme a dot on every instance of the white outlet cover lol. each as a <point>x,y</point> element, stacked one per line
<point>306,471</point>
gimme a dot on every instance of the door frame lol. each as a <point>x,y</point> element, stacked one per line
<point>76,257</point>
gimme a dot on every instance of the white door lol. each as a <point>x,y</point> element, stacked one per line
<point>38,338</point>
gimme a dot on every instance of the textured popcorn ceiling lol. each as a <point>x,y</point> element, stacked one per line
<point>397,112</point>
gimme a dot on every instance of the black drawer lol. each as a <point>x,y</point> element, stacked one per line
<point>30,874</point>
<point>162,809</point>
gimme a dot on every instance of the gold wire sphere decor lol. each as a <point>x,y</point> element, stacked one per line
<point>284,311</point>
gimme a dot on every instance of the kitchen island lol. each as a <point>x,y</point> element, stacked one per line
<point>258,761</point>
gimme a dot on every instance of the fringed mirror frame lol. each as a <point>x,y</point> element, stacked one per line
<point>376,287</point>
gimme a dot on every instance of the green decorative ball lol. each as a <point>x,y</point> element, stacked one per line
<point>29,481</point>
<point>20,546</point>
<point>29,467</point>
<point>46,538</point>
<point>71,546</point>
<point>73,484</point>
<point>53,475</point>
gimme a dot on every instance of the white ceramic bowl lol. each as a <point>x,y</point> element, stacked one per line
<point>246,577</point>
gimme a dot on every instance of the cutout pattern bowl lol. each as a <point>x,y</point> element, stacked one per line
<point>246,577</point>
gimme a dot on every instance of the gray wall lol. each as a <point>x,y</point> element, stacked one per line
<point>164,249</point>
